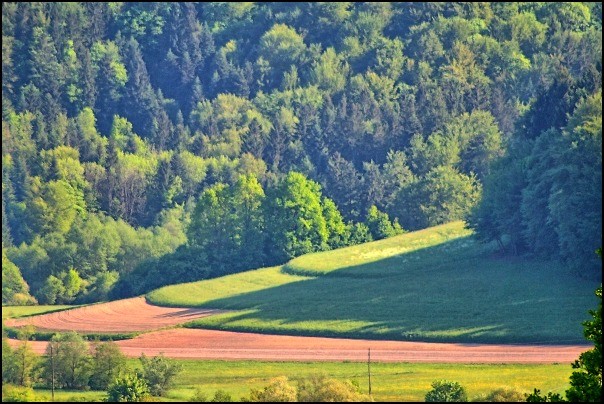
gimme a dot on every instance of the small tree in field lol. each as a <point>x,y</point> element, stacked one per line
<point>130,388</point>
<point>446,391</point>
<point>159,372</point>
<point>108,363</point>
<point>68,361</point>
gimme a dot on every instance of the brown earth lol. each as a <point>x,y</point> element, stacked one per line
<point>209,344</point>
<point>131,315</point>
<point>127,315</point>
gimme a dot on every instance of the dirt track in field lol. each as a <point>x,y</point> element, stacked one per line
<point>127,315</point>
<point>209,344</point>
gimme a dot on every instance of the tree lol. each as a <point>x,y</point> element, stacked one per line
<point>297,225</point>
<point>26,361</point>
<point>68,359</point>
<point>586,382</point>
<point>446,391</point>
<point>20,365</point>
<point>158,373</point>
<point>14,288</point>
<point>9,369</point>
<point>442,195</point>
<point>128,388</point>
<point>380,226</point>
<point>108,364</point>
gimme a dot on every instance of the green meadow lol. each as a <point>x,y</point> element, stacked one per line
<point>437,284</point>
<point>389,381</point>
<point>26,311</point>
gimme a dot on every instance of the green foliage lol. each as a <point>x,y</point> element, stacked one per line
<point>19,366</point>
<point>14,288</point>
<point>17,394</point>
<point>380,226</point>
<point>297,223</point>
<point>586,382</point>
<point>158,373</point>
<point>108,363</point>
<point>320,388</point>
<point>446,391</point>
<point>228,225</point>
<point>502,395</point>
<point>536,397</point>
<point>126,111</point>
<point>443,195</point>
<point>67,354</point>
<point>278,390</point>
<point>221,396</point>
<point>25,365</point>
<point>128,388</point>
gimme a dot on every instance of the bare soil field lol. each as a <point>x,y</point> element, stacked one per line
<point>127,315</point>
<point>209,344</point>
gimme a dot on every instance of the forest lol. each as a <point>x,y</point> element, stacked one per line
<point>146,144</point>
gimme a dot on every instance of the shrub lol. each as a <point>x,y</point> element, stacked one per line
<point>129,388</point>
<point>17,394</point>
<point>159,372</point>
<point>278,390</point>
<point>318,388</point>
<point>446,391</point>
<point>502,395</point>
<point>221,396</point>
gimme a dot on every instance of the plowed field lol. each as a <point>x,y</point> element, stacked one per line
<point>136,314</point>
<point>127,315</point>
<point>208,344</point>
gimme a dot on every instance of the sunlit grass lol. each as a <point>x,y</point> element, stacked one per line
<point>24,311</point>
<point>390,381</point>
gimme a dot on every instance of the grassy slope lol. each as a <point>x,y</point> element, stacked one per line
<point>390,381</point>
<point>26,311</point>
<point>437,284</point>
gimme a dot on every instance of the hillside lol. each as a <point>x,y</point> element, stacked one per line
<point>438,284</point>
<point>213,138</point>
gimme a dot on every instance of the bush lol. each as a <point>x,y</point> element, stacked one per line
<point>159,372</point>
<point>221,396</point>
<point>318,388</point>
<point>278,390</point>
<point>199,397</point>
<point>446,391</point>
<point>130,388</point>
<point>502,395</point>
<point>17,394</point>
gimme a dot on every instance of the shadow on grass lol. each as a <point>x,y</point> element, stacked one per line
<point>452,292</point>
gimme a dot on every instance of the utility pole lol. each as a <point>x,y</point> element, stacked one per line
<point>52,371</point>
<point>369,369</point>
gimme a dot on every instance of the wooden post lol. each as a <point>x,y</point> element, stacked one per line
<point>52,371</point>
<point>369,369</point>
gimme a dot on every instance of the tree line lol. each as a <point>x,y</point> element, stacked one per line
<point>120,119</point>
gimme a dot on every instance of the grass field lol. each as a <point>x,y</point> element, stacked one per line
<point>390,381</point>
<point>437,284</point>
<point>25,311</point>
